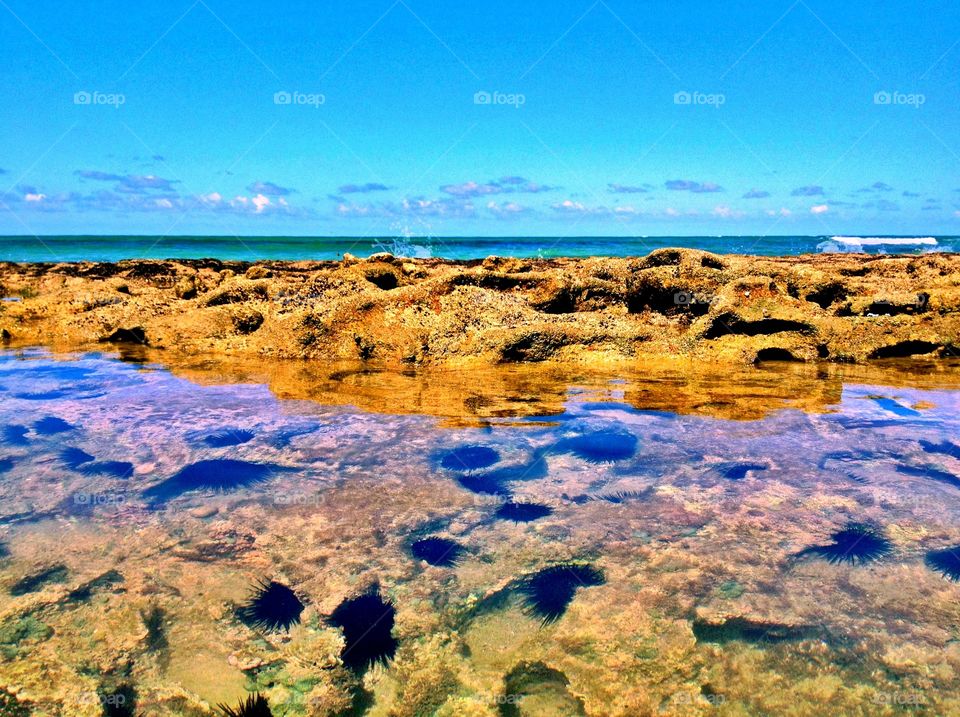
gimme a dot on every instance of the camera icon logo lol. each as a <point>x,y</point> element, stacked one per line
<point>682,98</point>
<point>282,98</point>
<point>882,98</point>
<point>482,98</point>
<point>683,298</point>
<point>82,98</point>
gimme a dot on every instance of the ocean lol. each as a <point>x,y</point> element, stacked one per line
<point>115,248</point>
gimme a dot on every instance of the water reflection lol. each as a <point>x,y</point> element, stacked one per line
<point>676,540</point>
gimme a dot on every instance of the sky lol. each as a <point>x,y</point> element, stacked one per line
<point>408,117</point>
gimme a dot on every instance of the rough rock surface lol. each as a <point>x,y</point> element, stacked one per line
<point>674,302</point>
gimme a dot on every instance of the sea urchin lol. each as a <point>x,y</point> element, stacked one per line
<point>441,552</point>
<point>522,512</point>
<point>856,543</point>
<point>367,624</point>
<point>272,607</point>
<point>547,593</point>
<point>945,562</point>
<point>254,706</point>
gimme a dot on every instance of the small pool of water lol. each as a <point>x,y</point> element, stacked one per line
<point>519,541</point>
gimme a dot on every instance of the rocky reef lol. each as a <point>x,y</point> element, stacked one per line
<point>674,302</point>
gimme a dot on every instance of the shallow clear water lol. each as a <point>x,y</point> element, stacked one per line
<point>694,514</point>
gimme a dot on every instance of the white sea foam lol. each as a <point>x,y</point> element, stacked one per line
<point>841,245</point>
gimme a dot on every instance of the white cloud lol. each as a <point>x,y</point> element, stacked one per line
<point>819,209</point>
<point>568,205</point>
<point>260,202</point>
<point>34,197</point>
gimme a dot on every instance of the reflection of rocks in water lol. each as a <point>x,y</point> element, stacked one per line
<point>743,629</point>
<point>548,592</point>
<point>857,543</point>
<point>533,688</point>
<point>946,562</point>
<point>367,624</point>
<point>32,583</point>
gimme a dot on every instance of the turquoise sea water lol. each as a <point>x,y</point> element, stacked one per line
<point>114,248</point>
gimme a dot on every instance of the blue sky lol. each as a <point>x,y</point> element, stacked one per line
<point>496,118</point>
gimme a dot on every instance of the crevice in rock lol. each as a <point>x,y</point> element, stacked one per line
<point>904,349</point>
<point>731,325</point>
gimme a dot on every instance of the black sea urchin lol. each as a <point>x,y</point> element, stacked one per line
<point>606,446</point>
<point>272,607</point>
<point>219,474</point>
<point>228,437</point>
<point>254,706</point>
<point>51,425</point>
<point>946,562</point>
<point>440,552</point>
<point>856,543</point>
<point>367,624</point>
<point>547,593</point>
<point>522,512</point>
<point>469,458</point>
